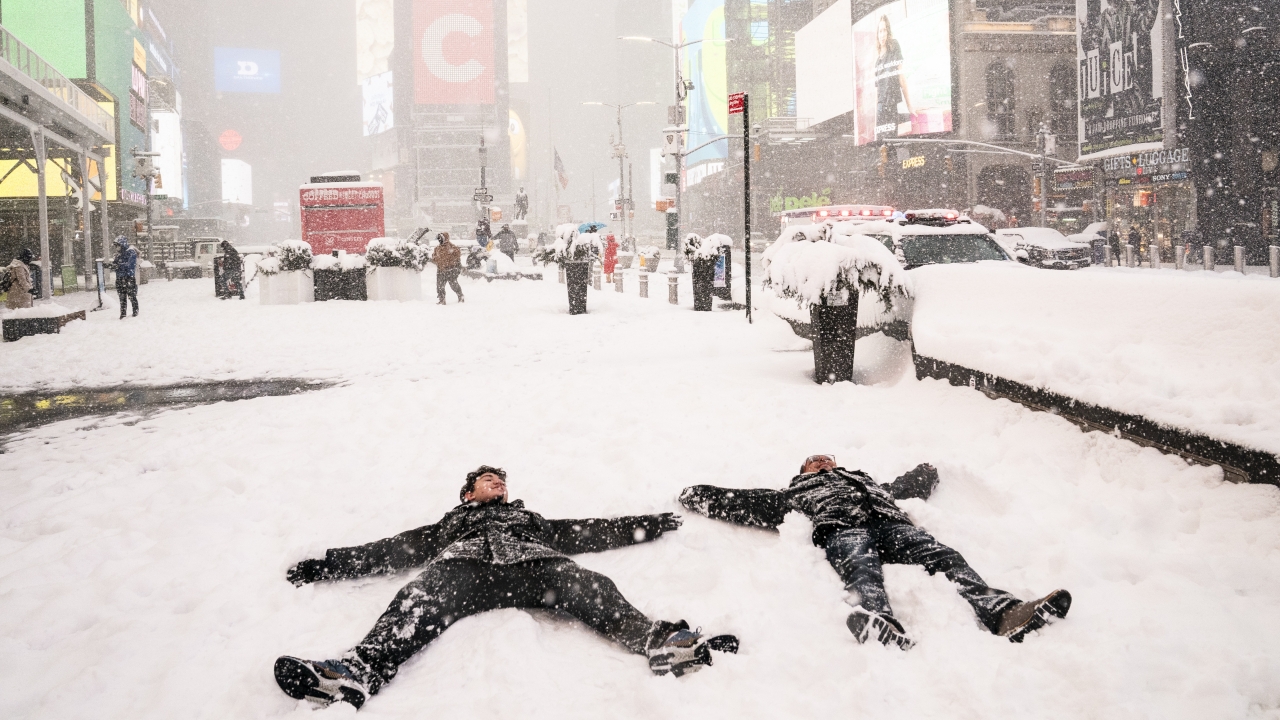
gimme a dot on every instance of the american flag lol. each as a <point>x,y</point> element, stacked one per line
<point>561,175</point>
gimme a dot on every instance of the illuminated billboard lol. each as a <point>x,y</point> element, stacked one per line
<point>517,41</point>
<point>379,110</point>
<point>1120,84</point>
<point>375,37</point>
<point>453,52</point>
<point>243,70</point>
<point>902,70</point>
<point>237,182</point>
<point>166,139</point>
<point>824,65</point>
<point>708,102</point>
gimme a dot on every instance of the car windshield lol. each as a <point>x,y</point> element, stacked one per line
<point>941,249</point>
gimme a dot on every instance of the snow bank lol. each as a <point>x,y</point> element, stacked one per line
<point>46,310</point>
<point>1195,350</point>
<point>144,556</point>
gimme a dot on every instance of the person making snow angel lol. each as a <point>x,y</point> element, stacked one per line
<point>487,554</point>
<point>859,524</point>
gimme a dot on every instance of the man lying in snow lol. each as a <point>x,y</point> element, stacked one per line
<point>487,554</point>
<point>859,524</point>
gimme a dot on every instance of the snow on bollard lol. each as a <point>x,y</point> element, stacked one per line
<point>1275,261</point>
<point>617,281</point>
<point>1154,250</point>
<point>1179,257</point>
<point>1108,259</point>
<point>595,277</point>
<point>1207,261</point>
<point>1239,258</point>
<point>673,290</point>
<point>644,284</point>
<point>1128,255</point>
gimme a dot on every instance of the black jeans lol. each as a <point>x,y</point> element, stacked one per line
<point>857,555</point>
<point>453,589</point>
<point>449,276</point>
<point>127,289</point>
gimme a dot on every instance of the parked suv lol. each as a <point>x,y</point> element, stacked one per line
<point>931,237</point>
<point>1046,247</point>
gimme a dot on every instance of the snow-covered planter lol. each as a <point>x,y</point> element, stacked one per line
<point>395,269</point>
<point>285,278</point>
<point>650,256</point>
<point>339,278</point>
<point>819,275</point>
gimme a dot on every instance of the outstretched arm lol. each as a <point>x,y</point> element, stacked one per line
<point>405,550</point>
<point>596,535</point>
<point>757,508</point>
<point>916,483</point>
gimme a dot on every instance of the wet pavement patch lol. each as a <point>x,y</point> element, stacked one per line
<point>18,412</point>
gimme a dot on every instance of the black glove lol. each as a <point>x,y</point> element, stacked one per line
<point>916,483</point>
<point>308,571</point>
<point>668,522</point>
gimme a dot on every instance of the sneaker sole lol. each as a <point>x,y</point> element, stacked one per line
<point>1052,608</point>
<point>885,633</point>
<point>299,681</point>
<point>702,657</point>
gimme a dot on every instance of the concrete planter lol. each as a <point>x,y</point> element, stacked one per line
<point>286,288</point>
<point>393,283</point>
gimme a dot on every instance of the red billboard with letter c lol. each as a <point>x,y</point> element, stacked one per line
<point>453,56</point>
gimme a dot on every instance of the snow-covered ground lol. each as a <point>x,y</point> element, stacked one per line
<point>143,558</point>
<point>1197,350</point>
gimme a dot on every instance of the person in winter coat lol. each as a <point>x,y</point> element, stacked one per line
<point>610,261</point>
<point>448,260</point>
<point>33,268</point>
<point>125,265</point>
<point>859,524</point>
<point>507,242</point>
<point>486,554</point>
<point>18,278</point>
<point>1117,247</point>
<point>1135,239</point>
<point>232,269</point>
<point>483,232</point>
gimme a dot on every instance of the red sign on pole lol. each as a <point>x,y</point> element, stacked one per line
<point>735,103</point>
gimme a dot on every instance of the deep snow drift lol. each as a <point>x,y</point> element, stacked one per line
<point>143,558</point>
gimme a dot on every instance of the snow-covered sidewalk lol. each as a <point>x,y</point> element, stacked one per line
<point>143,560</point>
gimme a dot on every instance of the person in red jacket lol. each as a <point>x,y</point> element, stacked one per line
<point>610,257</point>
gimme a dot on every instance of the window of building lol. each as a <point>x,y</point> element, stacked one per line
<point>1000,99</point>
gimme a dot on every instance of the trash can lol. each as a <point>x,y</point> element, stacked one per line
<point>833,328</point>
<point>219,277</point>
<point>577,274</point>
<point>704,274</point>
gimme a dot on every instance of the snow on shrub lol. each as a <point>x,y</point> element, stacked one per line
<point>269,265</point>
<point>395,252</point>
<point>706,248</point>
<point>571,246</point>
<point>293,255</point>
<point>808,264</point>
<point>346,262</point>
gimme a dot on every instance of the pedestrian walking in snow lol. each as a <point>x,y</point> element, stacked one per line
<point>507,242</point>
<point>610,260</point>
<point>125,265</point>
<point>859,524</point>
<point>16,281</point>
<point>232,270</point>
<point>1135,239</point>
<point>487,554</point>
<point>448,260</point>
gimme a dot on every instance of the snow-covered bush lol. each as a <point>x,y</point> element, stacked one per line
<point>810,264</point>
<point>269,265</point>
<point>293,255</point>
<point>706,248</point>
<point>344,262</point>
<point>395,252</point>
<point>571,246</point>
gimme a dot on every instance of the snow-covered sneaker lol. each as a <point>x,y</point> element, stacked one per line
<point>885,629</point>
<point>1022,618</point>
<point>685,651</point>
<point>324,682</point>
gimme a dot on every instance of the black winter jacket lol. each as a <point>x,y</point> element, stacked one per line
<point>832,500</point>
<point>495,532</point>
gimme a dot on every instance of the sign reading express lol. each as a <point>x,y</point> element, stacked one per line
<point>241,70</point>
<point>453,58</point>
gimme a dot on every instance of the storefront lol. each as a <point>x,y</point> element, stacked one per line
<point>1073,198</point>
<point>1151,192</point>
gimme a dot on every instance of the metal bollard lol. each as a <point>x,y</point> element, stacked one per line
<point>1208,257</point>
<point>1128,255</point>
<point>595,278</point>
<point>1239,258</point>
<point>560,275</point>
<point>1179,257</point>
<point>1275,261</point>
<point>644,284</point>
<point>617,281</point>
<point>673,290</point>
<point>1108,260</point>
<point>1154,250</point>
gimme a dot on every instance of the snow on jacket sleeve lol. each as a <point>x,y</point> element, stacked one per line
<point>406,550</point>
<point>757,508</point>
<point>597,535</point>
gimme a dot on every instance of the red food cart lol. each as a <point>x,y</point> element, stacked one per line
<point>341,215</point>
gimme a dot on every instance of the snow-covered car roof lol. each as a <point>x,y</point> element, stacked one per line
<point>898,229</point>
<point>1040,237</point>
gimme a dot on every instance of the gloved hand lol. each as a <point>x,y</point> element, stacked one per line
<point>669,521</point>
<point>308,571</point>
<point>918,482</point>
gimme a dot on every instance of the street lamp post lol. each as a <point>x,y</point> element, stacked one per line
<point>682,89</point>
<point>620,151</point>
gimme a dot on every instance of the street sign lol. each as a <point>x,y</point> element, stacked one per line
<point>482,198</point>
<point>735,103</point>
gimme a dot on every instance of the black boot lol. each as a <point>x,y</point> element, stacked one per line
<point>1022,618</point>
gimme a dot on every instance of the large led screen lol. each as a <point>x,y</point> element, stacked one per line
<point>453,52</point>
<point>824,65</point>
<point>704,65</point>
<point>1119,52</point>
<point>902,70</point>
<point>246,70</point>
